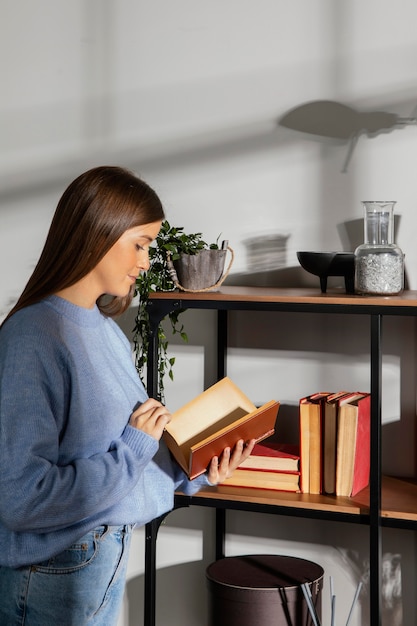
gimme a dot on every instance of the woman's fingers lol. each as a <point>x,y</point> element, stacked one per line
<point>151,417</point>
<point>223,467</point>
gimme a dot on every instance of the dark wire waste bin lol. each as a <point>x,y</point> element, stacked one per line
<point>262,590</point>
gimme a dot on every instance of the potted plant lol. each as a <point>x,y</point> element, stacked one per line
<point>172,249</point>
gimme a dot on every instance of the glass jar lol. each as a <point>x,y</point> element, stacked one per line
<point>379,263</point>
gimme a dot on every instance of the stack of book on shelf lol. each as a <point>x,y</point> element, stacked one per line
<point>271,465</point>
<point>335,442</point>
<point>333,455</point>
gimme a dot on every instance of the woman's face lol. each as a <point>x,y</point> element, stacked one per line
<point>118,269</point>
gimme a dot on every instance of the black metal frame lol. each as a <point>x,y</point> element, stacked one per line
<point>158,309</point>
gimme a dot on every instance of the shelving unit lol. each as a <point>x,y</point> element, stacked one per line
<point>386,502</point>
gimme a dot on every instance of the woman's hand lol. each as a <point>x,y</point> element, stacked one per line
<point>151,417</point>
<point>223,467</point>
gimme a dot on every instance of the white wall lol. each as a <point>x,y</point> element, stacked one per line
<point>188,94</point>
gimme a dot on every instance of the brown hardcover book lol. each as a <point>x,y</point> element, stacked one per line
<point>330,415</point>
<point>214,420</point>
<point>311,412</point>
<point>261,479</point>
<point>353,445</point>
<point>272,456</point>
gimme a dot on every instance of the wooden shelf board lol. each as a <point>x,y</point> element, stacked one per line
<point>285,499</point>
<point>289,295</point>
<point>399,499</point>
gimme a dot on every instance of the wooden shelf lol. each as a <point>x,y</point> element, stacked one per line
<point>263,295</point>
<point>399,499</point>
<point>278,499</point>
<point>394,500</point>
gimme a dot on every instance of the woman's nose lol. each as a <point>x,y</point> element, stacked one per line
<point>143,260</point>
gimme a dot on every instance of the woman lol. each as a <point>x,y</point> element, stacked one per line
<point>82,461</point>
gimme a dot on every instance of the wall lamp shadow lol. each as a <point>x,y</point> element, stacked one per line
<point>333,120</point>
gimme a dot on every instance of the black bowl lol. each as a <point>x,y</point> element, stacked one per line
<point>324,264</point>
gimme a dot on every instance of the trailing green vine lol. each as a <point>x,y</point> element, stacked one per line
<point>173,240</point>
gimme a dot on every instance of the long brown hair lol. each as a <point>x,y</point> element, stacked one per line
<point>92,214</point>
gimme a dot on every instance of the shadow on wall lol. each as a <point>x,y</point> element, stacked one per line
<point>333,120</point>
<point>391,583</point>
<point>171,596</point>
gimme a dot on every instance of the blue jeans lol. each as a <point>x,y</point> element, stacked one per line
<point>82,586</point>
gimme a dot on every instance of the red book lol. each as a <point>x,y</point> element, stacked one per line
<point>353,445</point>
<point>272,456</point>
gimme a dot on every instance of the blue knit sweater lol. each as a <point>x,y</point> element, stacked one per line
<point>69,460</point>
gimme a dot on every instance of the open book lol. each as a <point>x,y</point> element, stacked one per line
<point>214,420</point>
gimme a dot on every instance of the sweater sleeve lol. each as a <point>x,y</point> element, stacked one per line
<point>181,482</point>
<point>40,490</point>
